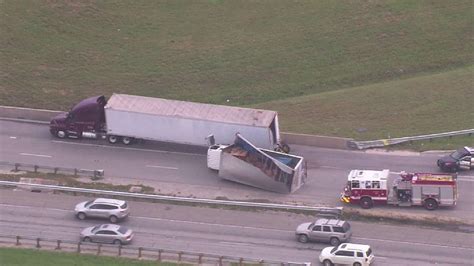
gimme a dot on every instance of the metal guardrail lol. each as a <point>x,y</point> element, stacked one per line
<point>96,174</point>
<point>322,211</point>
<point>360,145</point>
<point>138,253</point>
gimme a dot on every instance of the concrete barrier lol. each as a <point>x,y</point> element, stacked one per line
<point>290,138</point>
<point>27,113</point>
<point>313,140</point>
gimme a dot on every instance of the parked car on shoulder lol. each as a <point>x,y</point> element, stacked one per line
<point>347,254</point>
<point>333,231</point>
<point>107,233</point>
<point>111,209</point>
<point>461,159</point>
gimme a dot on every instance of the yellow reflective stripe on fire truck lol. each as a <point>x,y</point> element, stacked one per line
<point>434,178</point>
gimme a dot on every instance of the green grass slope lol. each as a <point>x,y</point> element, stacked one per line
<point>27,257</point>
<point>54,53</point>
<point>415,106</point>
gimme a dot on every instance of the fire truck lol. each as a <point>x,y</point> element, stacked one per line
<point>369,187</point>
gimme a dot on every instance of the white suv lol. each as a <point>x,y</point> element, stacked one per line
<point>348,254</point>
<point>111,209</point>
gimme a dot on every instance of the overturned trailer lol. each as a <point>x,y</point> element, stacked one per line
<point>244,163</point>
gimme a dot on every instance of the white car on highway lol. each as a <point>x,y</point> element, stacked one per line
<point>111,209</point>
<point>347,254</point>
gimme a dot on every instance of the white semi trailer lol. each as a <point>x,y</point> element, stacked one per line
<point>124,118</point>
<point>244,163</point>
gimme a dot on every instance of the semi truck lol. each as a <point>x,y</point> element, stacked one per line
<point>369,187</point>
<point>125,118</point>
<point>244,163</point>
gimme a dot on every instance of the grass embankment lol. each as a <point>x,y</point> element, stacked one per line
<point>27,257</point>
<point>362,70</point>
<point>433,103</point>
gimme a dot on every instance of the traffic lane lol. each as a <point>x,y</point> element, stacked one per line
<point>323,186</point>
<point>116,161</point>
<point>35,140</point>
<point>251,241</point>
<point>150,167</point>
<point>196,216</point>
<point>347,160</point>
<point>40,131</point>
<point>152,233</point>
<point>189,240</point>
<point>260,244</point>
<point>316,157</point>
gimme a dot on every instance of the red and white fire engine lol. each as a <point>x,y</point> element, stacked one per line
<point>368,187</point>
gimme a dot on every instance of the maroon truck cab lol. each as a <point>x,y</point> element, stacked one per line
<point>86,118</point>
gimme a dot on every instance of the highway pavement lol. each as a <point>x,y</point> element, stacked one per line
<point>184,167</point>
<point>260,235</point>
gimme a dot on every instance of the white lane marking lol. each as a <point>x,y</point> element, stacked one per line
<point>127,148</point>
<point>235,243</point>
<point>254,228</point>
<point>12,137</point>
<point>211,224</point>
<point>37,155</point>
<point>330,167</point>
<point>31,207</point>
<point>164,167</point>
<point>465,180</point>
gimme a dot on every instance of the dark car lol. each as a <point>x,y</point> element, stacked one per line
<point>462,159</point>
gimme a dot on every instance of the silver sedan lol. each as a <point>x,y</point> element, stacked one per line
<point>107,233</point>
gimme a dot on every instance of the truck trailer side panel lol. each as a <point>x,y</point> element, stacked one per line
<point>239,171</point>
<point>244,163</point>
<point>181,130</point>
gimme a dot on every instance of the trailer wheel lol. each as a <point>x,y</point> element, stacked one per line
<point>366,203</point>
<point>61,134</point>
<point>127,140</point>
<point>431,204</point>
<point>112,139</point>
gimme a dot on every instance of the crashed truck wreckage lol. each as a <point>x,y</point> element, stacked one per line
<point>244,163</point>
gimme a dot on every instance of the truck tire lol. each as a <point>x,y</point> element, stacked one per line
<point>431,204</point>
<point>127,140</point>
<point>366,203</point>
<point>61,134</point>
<point>113,139</point>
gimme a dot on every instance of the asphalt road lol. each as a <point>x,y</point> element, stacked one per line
<point>185,166</point>
<point>259,235</point>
